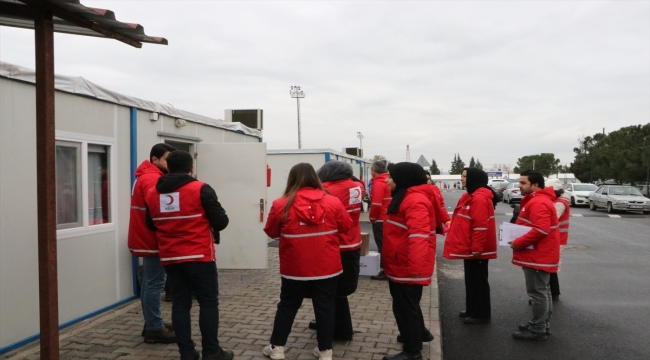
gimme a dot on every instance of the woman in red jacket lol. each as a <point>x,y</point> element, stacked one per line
<point>409,252</point>
<point>308,223</point>
<point>472,238</point>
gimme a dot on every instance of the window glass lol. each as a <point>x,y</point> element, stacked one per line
<point>68,185</point>
<point>98,186</point>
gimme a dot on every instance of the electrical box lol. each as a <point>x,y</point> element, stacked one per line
<point>253,118</point>
<point>354,151</point>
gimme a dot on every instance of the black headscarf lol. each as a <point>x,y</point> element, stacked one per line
<point>477,178</point>
<point>334,170</point>
<point>404,176</point>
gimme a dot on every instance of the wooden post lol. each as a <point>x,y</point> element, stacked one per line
<point>46,185</point>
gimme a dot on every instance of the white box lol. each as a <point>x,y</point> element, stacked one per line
<point>369,264</point>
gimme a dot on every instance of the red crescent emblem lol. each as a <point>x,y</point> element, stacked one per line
<point>171,200</point>
<point>357,193</point>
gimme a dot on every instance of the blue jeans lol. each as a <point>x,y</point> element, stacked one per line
<point>200,279</point>
<point>538,288</point>
<point>153,284</point>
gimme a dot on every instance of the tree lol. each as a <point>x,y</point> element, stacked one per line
<point>434,168</point>
<point>472,163</point>
<point>457,165</point>
<point>478,164</point>
<point>546,163</point>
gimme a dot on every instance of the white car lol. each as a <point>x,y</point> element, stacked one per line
<point>579,192</point>
<point>494,182</point>
<point>615,198</point>
<point>512,193</point>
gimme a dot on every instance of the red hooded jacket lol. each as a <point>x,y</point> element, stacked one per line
<point>309,236</point>
<point>563,222</point>
<point>141,240</point>
<point>409,249</point>
<point>380,198</point>
<point>351,195</point>
<point>538,212</point>
<point>473,228</point>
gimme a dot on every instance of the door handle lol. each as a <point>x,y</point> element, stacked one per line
<point>261,210</point>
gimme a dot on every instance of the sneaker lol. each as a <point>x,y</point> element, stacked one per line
<point>169,326</point>
<point>164,336</point>
<point>523,327</point>
<point>529,335</point>
<point>323,355</point>
<point>274,352</point>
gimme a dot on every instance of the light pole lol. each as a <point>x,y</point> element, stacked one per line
<point>297,94</point>
<point>360,136</point>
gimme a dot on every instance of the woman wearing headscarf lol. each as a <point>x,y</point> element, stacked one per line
<point>472,238</point>
<point>338,181</point>
<point>409,252</point>
<point>308,223</point>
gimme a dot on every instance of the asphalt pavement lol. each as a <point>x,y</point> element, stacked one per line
<point>604,309</point>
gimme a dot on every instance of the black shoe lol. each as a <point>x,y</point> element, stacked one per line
<point>463,314</point>
<point>472,321</point>
<point>312,325</point>
<point>380,276</point>
<point>523,327</point>
<point>221,355</point>
<point>427,336</point>
<point>529,335</point>
<point>191,356</point>
<point>342,338</point>
<point>404,356</point>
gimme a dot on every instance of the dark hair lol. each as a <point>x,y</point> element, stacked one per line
<point>379,166</point>
<point>427,172</point>
<point>559,193</point>
<point>160,149</point>
<point>179,162</point>
<point>301,175</point>
<point>535,177</point>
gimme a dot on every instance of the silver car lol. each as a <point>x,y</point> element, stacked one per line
<point>579,192</point>
<point>615,197</point>
<point>512,193</point>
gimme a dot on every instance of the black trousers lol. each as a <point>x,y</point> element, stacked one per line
<point>323,295</point>
<point>408,314</point>
<point>347,285</point>
<point>378,234</point>
<point>555,285</point>
<point>477,289</point>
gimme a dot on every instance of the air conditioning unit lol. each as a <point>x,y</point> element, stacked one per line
<point>253,118</point>
<point>354,151</point>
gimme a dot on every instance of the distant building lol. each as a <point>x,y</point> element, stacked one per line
<point>423,162</point>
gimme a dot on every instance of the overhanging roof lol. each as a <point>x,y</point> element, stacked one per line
<point>71,17</point>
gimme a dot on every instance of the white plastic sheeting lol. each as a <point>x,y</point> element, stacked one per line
<point>83,87</point>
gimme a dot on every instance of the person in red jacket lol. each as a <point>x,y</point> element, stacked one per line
<point>142,242</point>
<point>537,251</point>
<point>442,215</point>
<point>409,252</point>
<point>563,215</point>
<point>472,238</point>
<point>339,181</point>
<point>308,223</point>
<point>186,215</point>
<point>379,199</point>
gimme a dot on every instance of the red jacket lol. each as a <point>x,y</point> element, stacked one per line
<point>351,195</point>
<point>441,210</point>
<point>142,241</point>
<point>473,228</point>
<point>563,222</point>
<point>409,249</point>
<point>538,212</point>
<point>184,233</point>
<point>380,198</point>
<point>309,237</point>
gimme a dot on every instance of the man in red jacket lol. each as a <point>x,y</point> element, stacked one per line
<point>380,198</point>
<point>537,251</point>
<point>142,242</point>
<point>187,216</point>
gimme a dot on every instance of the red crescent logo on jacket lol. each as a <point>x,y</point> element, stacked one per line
<point>170,202</point>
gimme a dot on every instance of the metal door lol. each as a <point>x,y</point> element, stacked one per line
<point>237,172</point>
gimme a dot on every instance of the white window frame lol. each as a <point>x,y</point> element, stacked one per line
<point>84,140</point>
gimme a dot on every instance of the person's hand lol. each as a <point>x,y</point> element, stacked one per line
<point>476,254</point>
<point>512,245</point>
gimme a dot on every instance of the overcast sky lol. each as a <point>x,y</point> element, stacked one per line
<point>496,80</point>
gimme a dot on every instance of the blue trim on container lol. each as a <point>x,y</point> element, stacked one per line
<point>327,157</point>
<point>134,166</point>
<point>27,340</point>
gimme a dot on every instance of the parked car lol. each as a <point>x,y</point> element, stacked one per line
<point>499,188</point>
<point>616,197</point>
<point>494,182</point>
<point>512,193</point>
<point>513,180</point>
<point>579,192</point>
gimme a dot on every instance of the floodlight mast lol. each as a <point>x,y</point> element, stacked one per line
<point>297,94</point>
<point>360,136</point>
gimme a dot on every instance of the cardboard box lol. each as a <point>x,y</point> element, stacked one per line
<point>365,242</point>
<point>369,264</point>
